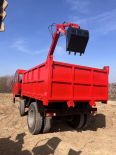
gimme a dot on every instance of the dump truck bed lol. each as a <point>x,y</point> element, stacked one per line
<point>59,82</point>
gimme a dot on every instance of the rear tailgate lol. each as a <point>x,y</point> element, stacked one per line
<point>73,82</point>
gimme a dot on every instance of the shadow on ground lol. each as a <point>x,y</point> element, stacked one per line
<point>60,125</point>
<point>97,121</point>
<point>10,147</point>
<point>50,147</point>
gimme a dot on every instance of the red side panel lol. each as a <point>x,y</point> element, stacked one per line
<point>34,82</point>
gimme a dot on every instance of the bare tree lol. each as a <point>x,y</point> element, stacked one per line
<point>6,84</point>
<point>112,91</point>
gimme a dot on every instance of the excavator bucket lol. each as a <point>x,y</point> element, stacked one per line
<point>76,40</point>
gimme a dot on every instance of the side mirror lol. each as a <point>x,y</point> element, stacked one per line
<point>76,40</point>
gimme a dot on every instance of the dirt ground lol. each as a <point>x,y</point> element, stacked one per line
<point>98,139</point>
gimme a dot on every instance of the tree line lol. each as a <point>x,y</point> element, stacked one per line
<point>6,83</point>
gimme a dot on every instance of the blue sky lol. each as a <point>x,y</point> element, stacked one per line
<point>26,41</point>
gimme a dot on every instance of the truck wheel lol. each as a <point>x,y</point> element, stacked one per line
<point>13,99</point>
<point>73,121</point>
<point>81,121</point>
<point>34,119</point>
<point>87,120</point>
<point>46,124</point>
<point>77,121</point>
<point>22,108</point>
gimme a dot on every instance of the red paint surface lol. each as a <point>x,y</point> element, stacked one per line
<point>57,81</point>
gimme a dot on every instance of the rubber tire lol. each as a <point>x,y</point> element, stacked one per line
<point>81,123</point>
<point>73,121</point>
<point>77,121</point>
<point>22,108</point>
<point>13,99</point>
<point>47,121</point>
<point>37,119</point>
<point>87,120</point>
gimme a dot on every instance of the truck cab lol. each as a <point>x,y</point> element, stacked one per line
<point>17,81</point>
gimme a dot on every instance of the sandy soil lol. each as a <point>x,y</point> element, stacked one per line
<point>15,139</point>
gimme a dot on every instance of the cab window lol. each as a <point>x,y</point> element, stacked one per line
<point>20,78</point>
<point>15,78</point>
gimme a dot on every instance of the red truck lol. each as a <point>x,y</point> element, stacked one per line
<point>61,89</point>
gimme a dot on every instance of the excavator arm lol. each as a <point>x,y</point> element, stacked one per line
<point>76,38</point>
